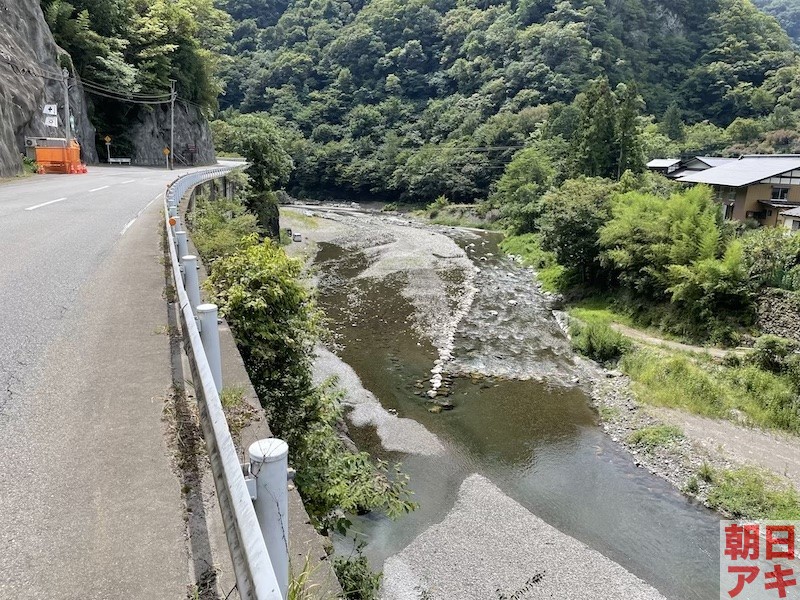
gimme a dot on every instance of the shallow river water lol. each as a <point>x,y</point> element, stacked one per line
<point>537,439</point>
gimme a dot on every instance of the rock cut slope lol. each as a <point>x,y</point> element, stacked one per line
<point>29,59</point>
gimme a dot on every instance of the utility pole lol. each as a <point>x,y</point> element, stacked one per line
<point>67,127</point>
<point>172,124</point>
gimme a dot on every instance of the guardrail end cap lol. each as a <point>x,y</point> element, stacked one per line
<point>268,450</point>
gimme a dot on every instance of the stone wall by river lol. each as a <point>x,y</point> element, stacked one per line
<point>779,313</point>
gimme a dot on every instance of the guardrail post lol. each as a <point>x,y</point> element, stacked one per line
<point>209,334</point>
<point>183,248</point>
<point>269,462</point>
<point>192,283</point>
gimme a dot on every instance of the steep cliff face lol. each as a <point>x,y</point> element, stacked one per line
<point>29,69</point>
<point>149,135</point>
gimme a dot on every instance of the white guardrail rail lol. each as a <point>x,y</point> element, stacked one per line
<point>255,573</point>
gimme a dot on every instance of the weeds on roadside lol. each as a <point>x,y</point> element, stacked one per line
<point>238,411</point>
<point>706,473</point>
<point>221,227</point>
<point>300,586</point>
<point>675,380</point>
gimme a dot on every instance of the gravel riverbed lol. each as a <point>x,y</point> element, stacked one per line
<point>488,545</point>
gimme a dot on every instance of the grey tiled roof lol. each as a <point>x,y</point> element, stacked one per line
<point>746,170</point>
<point>663,163</point>
<point>795,212</point>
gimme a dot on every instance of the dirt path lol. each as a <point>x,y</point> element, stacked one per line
<point>640,336</point>
<point>774,451</point>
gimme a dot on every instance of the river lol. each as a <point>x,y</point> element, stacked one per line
<point>520,417</point>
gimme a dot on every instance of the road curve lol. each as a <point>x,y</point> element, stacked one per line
<point>89,505</point>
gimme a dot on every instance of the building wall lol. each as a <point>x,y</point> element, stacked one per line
<point>742,206</point>
<point>791,223</point>
<point>747,200</point>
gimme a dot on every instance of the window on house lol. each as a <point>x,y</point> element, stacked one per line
<point>728,212</point>
<point>769,213</point>
<point>795,225</point>
<point>780,193</point>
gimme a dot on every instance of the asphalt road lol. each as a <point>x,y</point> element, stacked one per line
<point>89,505</point>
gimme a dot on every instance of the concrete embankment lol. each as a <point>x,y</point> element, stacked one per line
<point>307,548</point>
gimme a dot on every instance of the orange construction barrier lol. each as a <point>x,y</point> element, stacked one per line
<point>59,159</point>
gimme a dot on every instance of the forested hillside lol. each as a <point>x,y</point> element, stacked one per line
<point>131,49</point>
<point>787,12</point>
<point>427,97</point>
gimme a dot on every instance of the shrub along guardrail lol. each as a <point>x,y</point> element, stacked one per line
<point>257,534</point>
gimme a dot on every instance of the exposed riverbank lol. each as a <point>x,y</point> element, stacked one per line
<point>543,353</point>
<point>489,347</point>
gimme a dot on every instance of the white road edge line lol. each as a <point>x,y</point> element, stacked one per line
<point>127,225</point>
<point>100,188</point>
<point>45,204</point>
<point>139,214</point>
<point>129,181</point>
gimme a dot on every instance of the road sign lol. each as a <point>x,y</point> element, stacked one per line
<point>107,139</point>
<point>50,109</point>
<point>166,151</point>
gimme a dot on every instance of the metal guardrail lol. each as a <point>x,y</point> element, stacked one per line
<point>255,575</point>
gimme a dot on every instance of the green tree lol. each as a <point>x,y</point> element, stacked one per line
<point>647,234</point>
<point>712,292</point>
<point>257,139</point>
<point>517,192</point>
<point>260,294</point>
<point>609,137</point>
<point>597,153</point>
<point>744,130</point>
<point>571,217</point>
<point>628,137</point>
<point>772,258</point>
<point>672,122</point>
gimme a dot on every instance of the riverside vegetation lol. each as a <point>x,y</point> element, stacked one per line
<point>667,263</point>
<point>276,324</point>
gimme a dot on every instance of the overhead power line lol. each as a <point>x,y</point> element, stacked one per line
<point>470,149</point>
<point>125,98</point>
<point>190,103</point>
<point>136,95</point>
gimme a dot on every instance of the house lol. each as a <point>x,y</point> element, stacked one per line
<point>755,186</point>
<point>791,219</point>
<point>677,167</point>
<point>665,166</point>
<point>699,163</point>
